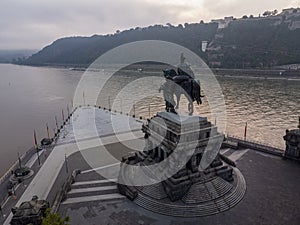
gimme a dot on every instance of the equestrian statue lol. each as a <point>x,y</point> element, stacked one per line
<point>181,82</point>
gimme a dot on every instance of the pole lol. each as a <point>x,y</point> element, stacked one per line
<point>36,147</point>
<point>66,161</point>
<point>215,121</point>
<point>121,102</point>
<point>63,116</point>
<point>35,141</point>
<point>56,123</point>
<point>134,109</point>
<point>245,132</point>
<point>83,98</point>
<point>48,132</point>
<point>68,110</point>
<point>109,106</point>
<point>149,111</point>
<point>20,165</point>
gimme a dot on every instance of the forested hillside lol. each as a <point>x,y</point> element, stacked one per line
<point>84,50</point>
<point>243,43</point>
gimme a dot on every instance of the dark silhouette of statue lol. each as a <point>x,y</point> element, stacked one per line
<point>168,91</point>
<point>181,82</point>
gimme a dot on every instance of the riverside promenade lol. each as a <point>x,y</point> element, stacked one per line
<point>271,182</point>
<point>43,182</point>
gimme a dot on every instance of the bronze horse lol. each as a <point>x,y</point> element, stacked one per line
<point>187,85</point>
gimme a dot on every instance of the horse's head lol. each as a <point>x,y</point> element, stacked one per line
<point>170,73</point>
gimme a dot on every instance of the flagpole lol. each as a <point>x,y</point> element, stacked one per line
<point>109,106</point>
<point>20,165</point>
<point>56,123</point>
<point>48,132</point>
<point>121,102</point>
<point>68,110</point>
<point>245,132</point>
<point>83,98</point>
<point>36,147</point>
<point>63,116</point>
<point>66,161</point>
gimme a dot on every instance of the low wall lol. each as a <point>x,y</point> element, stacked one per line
<point>256,146</point>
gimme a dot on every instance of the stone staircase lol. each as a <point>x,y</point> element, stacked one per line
<point>216,200</point>
<point>205,191</point>
<point>92,190</point>
<point>155,191</point>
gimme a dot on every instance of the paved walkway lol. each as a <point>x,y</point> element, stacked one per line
<point>42,183</point>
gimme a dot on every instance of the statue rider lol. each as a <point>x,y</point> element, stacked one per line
<point>184,69</point>
<point>181,82</point>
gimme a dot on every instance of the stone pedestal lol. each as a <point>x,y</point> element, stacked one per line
<point>191,144</point>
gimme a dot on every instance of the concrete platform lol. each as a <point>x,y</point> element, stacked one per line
<point>272,197</point>
<point>272,194</point>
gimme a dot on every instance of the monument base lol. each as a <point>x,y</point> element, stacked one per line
<point>202,184</point>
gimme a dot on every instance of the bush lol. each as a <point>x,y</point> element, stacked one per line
<point>54,219</point>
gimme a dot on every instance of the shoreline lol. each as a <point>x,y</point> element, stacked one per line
<point>253,73</point>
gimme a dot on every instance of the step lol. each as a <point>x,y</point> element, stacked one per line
<point>94,198</point>
<point>82,194</point>
<point>93,182</point>
<point>92,189</point>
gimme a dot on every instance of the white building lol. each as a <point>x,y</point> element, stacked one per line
<point>223,23</point>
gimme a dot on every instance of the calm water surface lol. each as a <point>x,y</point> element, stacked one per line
<point>30,97</point>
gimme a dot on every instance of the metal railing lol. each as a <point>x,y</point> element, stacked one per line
<point>256,145</point>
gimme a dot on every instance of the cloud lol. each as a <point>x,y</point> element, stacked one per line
<point>36,23</point>
<point>25,20</point>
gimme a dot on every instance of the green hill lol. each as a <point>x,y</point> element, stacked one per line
<point>243,43</point>
<point>84,50</point>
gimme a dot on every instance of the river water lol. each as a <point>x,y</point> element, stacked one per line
<point>30,97</point>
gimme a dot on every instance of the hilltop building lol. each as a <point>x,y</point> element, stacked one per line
<point>290,11</point>
<point>223,23</point>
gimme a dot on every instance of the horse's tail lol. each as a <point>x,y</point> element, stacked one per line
<point>196,91</point>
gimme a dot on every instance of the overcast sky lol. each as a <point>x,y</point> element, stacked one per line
<point>33,24</point>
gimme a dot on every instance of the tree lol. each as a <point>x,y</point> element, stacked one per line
<point>245,17</point>
<point>274,13</point>
<point>267,13</point>
<point>54,219</point>
<point>169,25</point>
<point>251,16</point>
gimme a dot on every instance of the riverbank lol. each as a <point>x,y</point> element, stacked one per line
<point>157,68</point>
<point>267,73</point>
